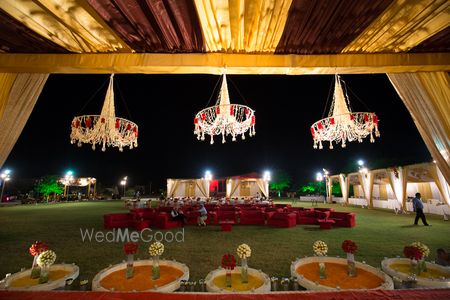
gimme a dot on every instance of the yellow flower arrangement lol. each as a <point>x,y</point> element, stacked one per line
<point>320,248</point>
<point>46,258</point>
<point>156,249</point>
<point>244,251</point>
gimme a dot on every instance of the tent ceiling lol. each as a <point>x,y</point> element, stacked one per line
<point>226,26</point>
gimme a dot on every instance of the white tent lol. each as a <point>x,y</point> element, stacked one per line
<point>180,188</point>
<point>247,187</point>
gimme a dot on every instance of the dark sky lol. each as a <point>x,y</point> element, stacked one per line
<point>164,106</point>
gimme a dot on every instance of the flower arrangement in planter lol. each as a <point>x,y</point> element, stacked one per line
<point>350,248</point>
<point>425,252</point>
<point>228,263</point>
<point>36,249</point>
<point>130,250</point>
<point>156,250</point>
<point>414,254</point>
<point>320,249</point>
<point>45,260</point>
<point>244,251</point>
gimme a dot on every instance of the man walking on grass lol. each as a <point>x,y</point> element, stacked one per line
<point>418,208</point>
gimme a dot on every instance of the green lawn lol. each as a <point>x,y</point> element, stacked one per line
<point>378,234</point>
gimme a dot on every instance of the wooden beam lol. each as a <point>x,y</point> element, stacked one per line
<point>213,63</point>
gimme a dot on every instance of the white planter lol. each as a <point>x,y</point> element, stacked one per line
<point>421,281</point>
<point>170,287</point>
<point>73,269</point>
<point>311,285</point>
<point>211,287</point>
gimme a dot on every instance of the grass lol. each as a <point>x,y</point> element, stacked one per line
<point>378,234</point>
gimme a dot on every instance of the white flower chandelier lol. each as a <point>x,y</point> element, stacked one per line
<point>104,129</point>
<point>224,118</point>
<point>342,124</point>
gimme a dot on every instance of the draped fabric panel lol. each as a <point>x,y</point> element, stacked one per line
<point>427,97</point>
<point>383,192</point>
<point>398,181</point>
<point>323,26</point>
<point>153,26</point>
<point>65,23</point>
<point>440,42</point>
<point>203,186</point>
<point>344,183</point>
<point>439,180</point>
<point>402,26</point>
<point>367,184</point>
<point>242,25</point>
<point>6,82</point>
<point>263,186</point>
<point>232,186</point>
<point>18,38</point>
<point>20,102</point>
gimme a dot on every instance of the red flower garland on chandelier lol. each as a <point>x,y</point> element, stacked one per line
<point>349,246</point>
<point>130,248</point>
<point>37,248</point>
<point>412,252</point>
<point>228,261</point>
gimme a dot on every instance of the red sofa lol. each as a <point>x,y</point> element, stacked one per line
<point>191,217</point>
<point>311,217</point>
<point>282,219</point>
<point>343,219</point>
<point>252,217</point>
<point>227,214</point>
<point>144,214</point>
<point>122,220</point>
<point>164,221</point>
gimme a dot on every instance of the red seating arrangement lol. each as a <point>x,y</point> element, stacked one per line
<point>123,220</point>
<point>244,214</point>
<point>282,219</point>
<point>252,217</point>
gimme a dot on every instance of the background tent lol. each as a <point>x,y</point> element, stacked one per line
<point>248,185</point>
<point>187,188</point>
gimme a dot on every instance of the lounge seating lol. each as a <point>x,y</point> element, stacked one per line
<point>164,221</point>
<point>252,217</point>
<point>343,219</point>
<point>282,219</point>
<point>123,220</point>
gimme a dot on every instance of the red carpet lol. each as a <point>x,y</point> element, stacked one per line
<point>418,294</point>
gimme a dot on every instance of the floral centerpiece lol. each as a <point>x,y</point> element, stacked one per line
<point>156,250</point>
<point>244,251</point>
<point>321,249</point>
<point>425,252</point>
<point>414,254</point>
<point>350,248</point>
<point>130,249</point>
<point>36,249</point>
<point>45,260</point>
<point>228,263</point>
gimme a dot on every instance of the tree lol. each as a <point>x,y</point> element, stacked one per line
<point>49,185</point>
<point>281,181</point>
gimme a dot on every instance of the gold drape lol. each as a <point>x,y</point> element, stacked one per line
<point>427,97</point>
<point>6,82</point>
<point>344,183</point>
<point>67,23</point>
<point>383,192</point>
<point>424,189</point>
<point>240,25</point>
<point>20,102</point>
<point>403,25</point>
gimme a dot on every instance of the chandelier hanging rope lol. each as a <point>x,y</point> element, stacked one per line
<point>342,124</point>
<point>224,118</point>
<point>105,129</point>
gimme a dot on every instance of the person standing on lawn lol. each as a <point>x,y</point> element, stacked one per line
<point>418,208</point>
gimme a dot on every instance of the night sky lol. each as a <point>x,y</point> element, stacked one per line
<point>164,106</point>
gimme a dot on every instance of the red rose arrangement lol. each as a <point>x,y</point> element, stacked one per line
<point>228,261</point>
<point>130,248</point>
<point>412,252</point>
<point>37,248</point>
<point>349,246</point>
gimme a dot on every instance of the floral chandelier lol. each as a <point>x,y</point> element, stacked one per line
<point>104,129</point>
<point>224,118</point>
<point>342,124</point>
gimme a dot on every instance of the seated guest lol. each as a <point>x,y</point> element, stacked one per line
<point>203,215</point>
<point>443,257</point>
<point>177,214</point>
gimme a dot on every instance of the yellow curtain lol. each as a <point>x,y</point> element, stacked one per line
<point>73,25</point>
<point>19,104</point>
<point>403,25</point>
<point>242,25</point>
<point>245,189</point>
<point>356,190</point>
<point>424,189</point>
<point>427,97</point>
<point>383,192</point>
<point>6,82</point>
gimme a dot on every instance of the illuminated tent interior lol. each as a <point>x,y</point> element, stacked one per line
<point>408,40</point>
